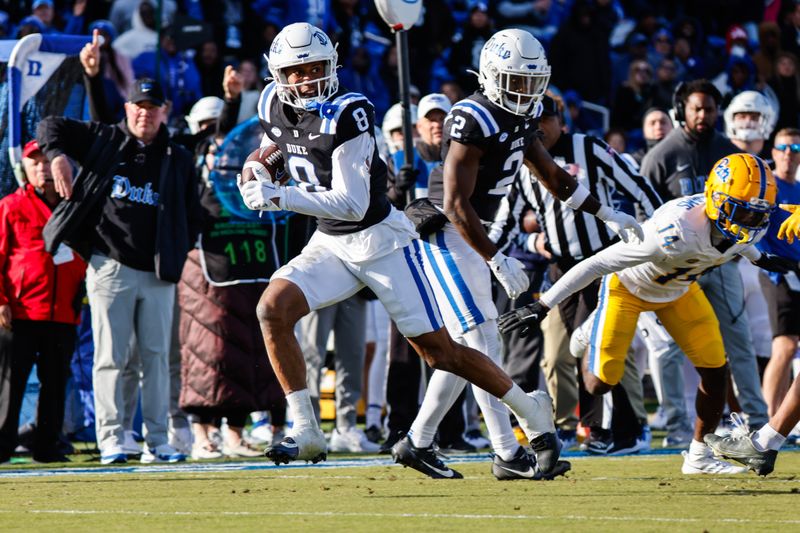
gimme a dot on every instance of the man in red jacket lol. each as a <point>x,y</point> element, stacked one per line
<point>40,296</point>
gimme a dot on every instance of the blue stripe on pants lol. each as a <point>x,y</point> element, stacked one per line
<point>440,277</point>
<point>420,285</point>
<point>459,281</point>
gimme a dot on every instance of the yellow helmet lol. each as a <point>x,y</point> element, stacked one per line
<point>740,195</point>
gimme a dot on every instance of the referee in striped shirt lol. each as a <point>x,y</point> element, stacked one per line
<point>566,238</point>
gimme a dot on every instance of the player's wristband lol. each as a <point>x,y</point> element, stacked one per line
<point>579,195</point>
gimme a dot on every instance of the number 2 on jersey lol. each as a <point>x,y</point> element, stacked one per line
<point>510,168</point>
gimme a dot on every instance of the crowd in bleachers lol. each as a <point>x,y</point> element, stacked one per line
<point>615,64</point>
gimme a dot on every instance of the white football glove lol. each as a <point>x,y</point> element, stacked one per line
<point>260,195</point>
<point>510,273</point>
<point>620,223</point>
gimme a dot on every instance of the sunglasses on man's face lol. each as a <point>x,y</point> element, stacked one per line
<point>794,148</point>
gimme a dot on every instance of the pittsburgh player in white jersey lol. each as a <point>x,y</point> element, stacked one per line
<point>327,138</point>
<point>684,238</point>
<point>487,137</point>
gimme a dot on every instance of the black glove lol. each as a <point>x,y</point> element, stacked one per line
<point>775,263</point>
<point>524,318</point>
<point>406,178</point>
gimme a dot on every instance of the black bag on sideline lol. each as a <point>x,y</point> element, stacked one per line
<point>427,218</point>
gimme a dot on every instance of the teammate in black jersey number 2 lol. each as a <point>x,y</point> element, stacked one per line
<point>326,134</point>
<point>487,138</point>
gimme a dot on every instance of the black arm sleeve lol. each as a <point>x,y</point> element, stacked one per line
<point>98,105</point>
<point>59,135</point>
<point>230,112</point>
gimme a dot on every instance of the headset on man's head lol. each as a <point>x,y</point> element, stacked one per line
<point>681,93</point>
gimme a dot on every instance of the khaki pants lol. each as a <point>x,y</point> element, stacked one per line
<point>124,302</point>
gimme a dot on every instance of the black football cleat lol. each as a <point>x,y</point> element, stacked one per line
<point>547,448</point>
<point>523,466</point>
<point>423,460</point>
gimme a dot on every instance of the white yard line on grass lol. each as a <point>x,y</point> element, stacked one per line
<point>333,514</point>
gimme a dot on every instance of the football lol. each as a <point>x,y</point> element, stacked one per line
<point>265,164</point>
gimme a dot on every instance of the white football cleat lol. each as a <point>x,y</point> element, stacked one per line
<point>708,465</point>
<point>304,444</point>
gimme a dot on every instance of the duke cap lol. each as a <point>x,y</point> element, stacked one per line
<point>433,101</point>
<point>146,90</point>
<point>40,3</point>
<point>31,147</point>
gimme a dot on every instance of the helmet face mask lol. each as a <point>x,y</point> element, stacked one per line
<point>303,44</point>
<point>740,196</point>
<point>514,72</point>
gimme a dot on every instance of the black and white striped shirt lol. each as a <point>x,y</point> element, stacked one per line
<point>574,235</point>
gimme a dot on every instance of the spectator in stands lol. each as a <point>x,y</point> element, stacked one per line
<point>662,47</point>
<point>786,84</point>
<point>739,75</point>
<point>634,97</point>
<point>40,298</point>
<point>453,91</point>
<point>360,76</point>
<point>690,63</point>
<point>656,124</point>
<point>177,74</point>
<point>142,36</point>
<point>529,15</point>
<point>241,91</point>
<point>665,83</point>
<point>765,58</point>
<point>210,69</point>
<point>635,50</point>
<point>134,214</point>
<point>615,138</point>
<point>790,42</point>
<point>467,44</point>
<point>5,25</point>
<point>252,84</point>
<point>124,13</point>
<point>736,41</point>
<point>28,26</point>
<point>579,55</point>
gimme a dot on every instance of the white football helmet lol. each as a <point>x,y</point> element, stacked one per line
<point>393,120</point>
<point>207,108</point>
<point>749,130</point>
<point>514,71</point>
<point>298,44</point>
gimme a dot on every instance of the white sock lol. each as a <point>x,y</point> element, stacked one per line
<point>373,416</point>
<point>767,438</point>
<point>485,339</point>
<point>301,409</point>
<point>698,449</point>
<point>533,417</point>
<point>443,390</point>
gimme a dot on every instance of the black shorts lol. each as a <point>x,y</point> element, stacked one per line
<point>783,305</point>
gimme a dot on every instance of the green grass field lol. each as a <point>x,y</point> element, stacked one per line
<point>645,493</point>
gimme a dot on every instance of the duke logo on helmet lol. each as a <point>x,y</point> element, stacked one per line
<point>514,71</point>
<point>300,44</point>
